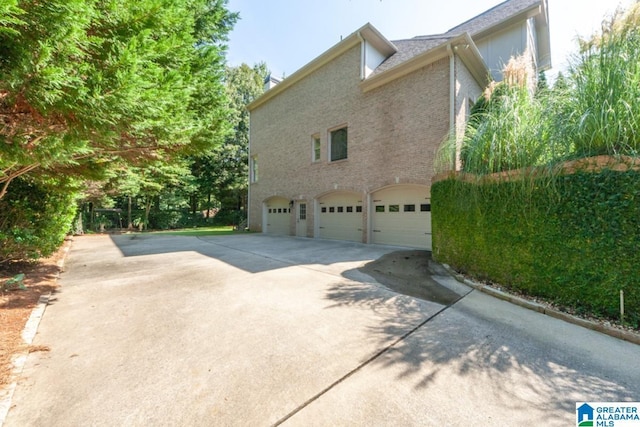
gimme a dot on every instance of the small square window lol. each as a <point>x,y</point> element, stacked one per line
<point>349,208</point>
<point>358,208</point>
<point>380,208</point>
<point>332,209</point>
<point>279,210</point>
<point>323,210</point>
<point>425,207</point>
<point>340,208</point>
<point>394,208</point>
<point>409,208</point>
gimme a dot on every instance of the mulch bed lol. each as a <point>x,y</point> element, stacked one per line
<point>16,305</point>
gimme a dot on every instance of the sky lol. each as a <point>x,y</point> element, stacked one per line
<point>287,34</point>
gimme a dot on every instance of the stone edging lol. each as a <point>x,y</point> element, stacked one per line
<point>540,308</point>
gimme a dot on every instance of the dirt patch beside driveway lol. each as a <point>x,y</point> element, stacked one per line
<point>410,273</point>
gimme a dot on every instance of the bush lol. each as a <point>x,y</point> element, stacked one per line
<point>572,239</point>
<point>35,216</point>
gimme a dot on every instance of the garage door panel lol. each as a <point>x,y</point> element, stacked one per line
<point>278,217</point>
<point>341,217</point>
<point>402,217</point>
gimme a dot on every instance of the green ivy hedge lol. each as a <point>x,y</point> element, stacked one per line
<point>572,239</point>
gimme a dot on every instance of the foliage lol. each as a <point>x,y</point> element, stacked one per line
<point>603,112</point>
<point>35,217</point>
<point>573,239</point>
<point>89,84</point>
<point>14,283</point>
<point>593,111</point>
<point>222,173</point>
<point>569,238</point>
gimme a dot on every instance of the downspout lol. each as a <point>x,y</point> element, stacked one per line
<point>452,101</point>
<point>248,212</point>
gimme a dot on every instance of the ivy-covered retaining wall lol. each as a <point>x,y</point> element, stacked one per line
<point>569,236</point>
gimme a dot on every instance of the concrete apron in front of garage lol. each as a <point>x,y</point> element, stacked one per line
<point>261,330</point>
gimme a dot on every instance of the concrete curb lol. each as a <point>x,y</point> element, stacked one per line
<point>540,308</point>
<point>28,335</point>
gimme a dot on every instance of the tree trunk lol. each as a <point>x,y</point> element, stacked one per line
<point>130,226</point>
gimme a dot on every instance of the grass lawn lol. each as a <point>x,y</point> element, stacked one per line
<point>201,231</point>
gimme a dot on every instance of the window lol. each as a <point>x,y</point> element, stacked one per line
<point>254,169</point>
<point>302,210</point>
<point>332,209</point>
<point>409,208</point>
<point>425,208</point>
<point>358,208</point>
<point>341,209</point>
<point>338,146</point>
<point>394,208</point>
<point>380,208</point>
<point>279,210</point>
<point>324,209</point>
<point>316,148</point>
<point>349,208</point>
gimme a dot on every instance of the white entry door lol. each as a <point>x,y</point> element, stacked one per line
<point>301,220</point>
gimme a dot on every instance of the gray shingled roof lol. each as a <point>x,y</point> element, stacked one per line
<point>410,48</point>
<point>407,49</point>
<point>493,16</point>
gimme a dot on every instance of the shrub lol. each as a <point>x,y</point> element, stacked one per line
<point>35,216</point>
<point>572,239</point>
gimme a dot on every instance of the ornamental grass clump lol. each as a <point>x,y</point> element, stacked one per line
<point>602,114</point>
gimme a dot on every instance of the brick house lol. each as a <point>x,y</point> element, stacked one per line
<point>344,147</point>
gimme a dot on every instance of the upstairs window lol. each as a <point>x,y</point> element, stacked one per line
<point>254,169</point>
<point>338,144</point>
<point>316,148</point>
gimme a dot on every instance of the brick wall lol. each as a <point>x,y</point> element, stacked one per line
<point>394,133</point>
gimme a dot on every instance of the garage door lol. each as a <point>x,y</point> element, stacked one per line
<point>277,216</point>
<point>401,216</point>
<point>340,217</point>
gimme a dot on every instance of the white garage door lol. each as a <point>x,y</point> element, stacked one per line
<point>277,216</point>
<point>340,217</point>
<point>401,216</point>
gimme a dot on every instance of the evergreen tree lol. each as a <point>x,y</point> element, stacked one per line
<point>87,84</point>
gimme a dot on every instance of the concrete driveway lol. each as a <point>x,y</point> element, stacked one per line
<point>260,330</point>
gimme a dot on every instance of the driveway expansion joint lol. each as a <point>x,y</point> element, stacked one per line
<point>368,361</point>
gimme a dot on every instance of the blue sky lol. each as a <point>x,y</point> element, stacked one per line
<point>287,34</point>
